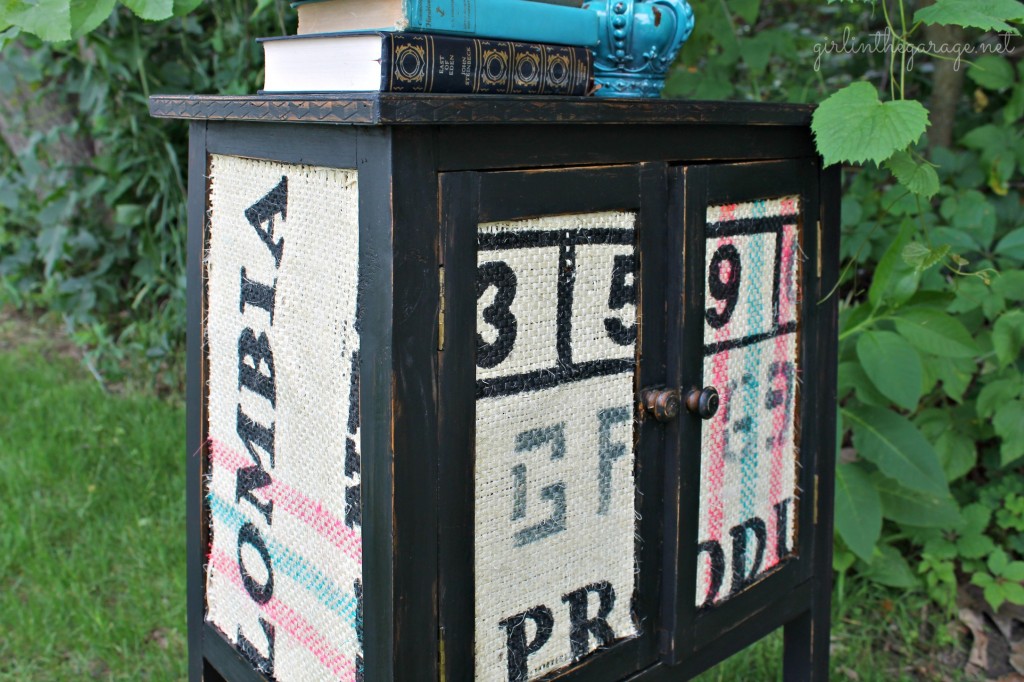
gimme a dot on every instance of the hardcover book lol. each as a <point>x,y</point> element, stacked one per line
<point>418,62</point>
<point>523,20</point>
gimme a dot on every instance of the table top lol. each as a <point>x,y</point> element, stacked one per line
<point>434,109</point>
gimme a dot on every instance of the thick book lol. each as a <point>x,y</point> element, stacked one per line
<point>419,62</point>
<point>521,20</point>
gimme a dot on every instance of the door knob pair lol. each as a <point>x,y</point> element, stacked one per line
<point>664,403</point>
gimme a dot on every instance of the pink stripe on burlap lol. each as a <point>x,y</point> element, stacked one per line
<point>717,427</point>
<point>782,420</point>
<point>297,504</point>
<point>294,625</point>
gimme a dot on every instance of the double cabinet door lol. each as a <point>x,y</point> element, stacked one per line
<point>628,459</point>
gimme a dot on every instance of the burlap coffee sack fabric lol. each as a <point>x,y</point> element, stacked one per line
<point>555,499</point>
<point>749,449</point>
<point>285,565</point>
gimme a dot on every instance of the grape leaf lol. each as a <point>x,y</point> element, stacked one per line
<point>87,15</point>
<point>151,10</point>
<point>919,178</point>
<point>48,19</point>
<point>854,125</point>
<point>988,15</point>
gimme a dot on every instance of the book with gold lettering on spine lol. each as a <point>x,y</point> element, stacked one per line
<point>417,62</point>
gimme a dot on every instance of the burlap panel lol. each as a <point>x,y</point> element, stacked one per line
<point>555,519</point>
<point>285,565</point>
<point>749,449</point>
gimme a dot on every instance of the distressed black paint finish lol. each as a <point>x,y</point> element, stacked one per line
<point>431,168</point>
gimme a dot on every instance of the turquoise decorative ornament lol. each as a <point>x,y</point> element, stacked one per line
<point>639,41</point>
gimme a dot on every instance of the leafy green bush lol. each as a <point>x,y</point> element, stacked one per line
<point>100,237</point>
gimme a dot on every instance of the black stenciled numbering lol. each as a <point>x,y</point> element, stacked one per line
<point>500,276</point>
<point>498,314</point>
<point>727,290</point>
<point>621,295</point>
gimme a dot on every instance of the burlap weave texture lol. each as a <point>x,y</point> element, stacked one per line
<point>285,565</point>
<point>555,501</point>
<point>749,449</point>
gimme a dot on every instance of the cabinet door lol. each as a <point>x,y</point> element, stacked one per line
<point>740,501</point>
<point>550,482</point>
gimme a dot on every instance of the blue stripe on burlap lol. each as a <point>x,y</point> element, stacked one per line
<point>293,565</point>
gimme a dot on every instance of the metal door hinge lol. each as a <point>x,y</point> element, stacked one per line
<point>440,309</point>
<point>819,250</point>
<point>816,499</point>
<point>442,672</point>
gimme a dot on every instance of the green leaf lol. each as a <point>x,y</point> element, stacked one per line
<point>746,9</point>
<point>853,125</point>
<point>898,449</point>
<point>988,15</point>
<point>996,393</point>
<point>87,15</point>
<point>992,72</point>
<point>1008,337</point>
<point>1012,245</point>
<point>1014,110</point>
<point>756,52</point>
<point>975,215</point>
<point>921,257</point>
<point>852,376</point>
<point>957,453</point>
<point>976,519</point>
<point>1014,570</point>
<point>936,333</point>
<point>183,7</point>
<point>890,568</point>
<point>914,508</point>
<point>894,281</point>
<point>1010,285</point>
<point>1009,426</point>
<point>955,375</point>
<point>858,510</point>
<point>48,19</point>
<point>1014,592</point>
<point>998,561</point>
<point>919,178</point>
<point>974,545</point>
<point>151,10</point>
<point>893,366</point>
<point>994,595</point>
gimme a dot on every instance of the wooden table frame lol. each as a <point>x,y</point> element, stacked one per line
<point>431,165</point>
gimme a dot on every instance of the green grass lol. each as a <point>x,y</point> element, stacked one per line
<point>879,634</point>
<point>92,568</point>
<point>92,536</point>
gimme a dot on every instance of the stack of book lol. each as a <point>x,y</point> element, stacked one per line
<point>522,47</point>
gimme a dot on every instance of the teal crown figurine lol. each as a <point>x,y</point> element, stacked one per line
<point>639,40</point>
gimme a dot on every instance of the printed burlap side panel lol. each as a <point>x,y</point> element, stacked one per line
<point>749,449</point>
<point>555,501</point>
<point>284,571</point>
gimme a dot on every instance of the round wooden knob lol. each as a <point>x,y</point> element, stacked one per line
<point>703,402</point>
<point>662,404</point>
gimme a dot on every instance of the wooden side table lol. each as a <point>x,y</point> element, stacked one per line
<point>505,388</point>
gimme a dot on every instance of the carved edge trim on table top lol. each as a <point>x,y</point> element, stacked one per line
<point>388,108</point>
<point>262,109</point>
